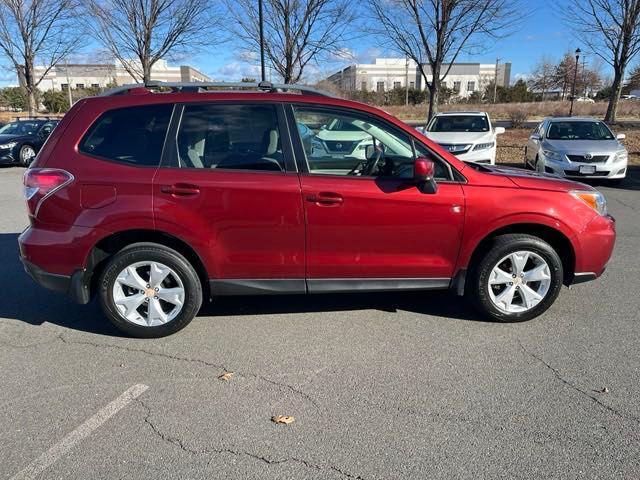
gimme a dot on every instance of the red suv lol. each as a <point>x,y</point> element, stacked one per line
<point>157,198</point>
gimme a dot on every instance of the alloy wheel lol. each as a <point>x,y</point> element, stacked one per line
<point>519,281</point>
<point>148,294</point>
<point>27,154</point>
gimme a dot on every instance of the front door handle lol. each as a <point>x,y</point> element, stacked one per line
<point>325,198</point>
<point>180,189</point>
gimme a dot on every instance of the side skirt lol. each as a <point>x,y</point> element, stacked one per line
<point>323,285</point>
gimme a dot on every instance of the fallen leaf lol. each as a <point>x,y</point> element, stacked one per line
<point>283,419</point>
<point>225,376</point>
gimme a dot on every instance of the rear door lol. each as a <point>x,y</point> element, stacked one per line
<point>369,224</point>
<point>228,186</point>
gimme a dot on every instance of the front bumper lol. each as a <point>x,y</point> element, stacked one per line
<point>594,249</point>
<point>605,170</point>
<point>486,156</point>
<point>6,158</point>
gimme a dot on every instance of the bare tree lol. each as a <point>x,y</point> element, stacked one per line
<point>433,33</point>
<point>543,76</point>
<point>296,32</point>
<point>36,31</point>
<point>611,30</point>
<point>138,33</point>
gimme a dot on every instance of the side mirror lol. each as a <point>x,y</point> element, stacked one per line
<point>423,172</point>
<point>499,130</point>
<point>535,136</point>
<point>621,136</point>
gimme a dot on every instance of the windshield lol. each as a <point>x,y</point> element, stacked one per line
<point>460,123</point>
<point>579,131</point>
<point>343,126</point>
<point>20,128</point>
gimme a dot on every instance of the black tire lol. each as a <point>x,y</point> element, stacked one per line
<point>26,162</point>
<point>477,286</point>
<point>141,252</point>
<point>526,162</point>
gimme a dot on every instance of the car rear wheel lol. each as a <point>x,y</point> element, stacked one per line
<point>149,291</point>
<point>518,278</point>
<point>27,154</point>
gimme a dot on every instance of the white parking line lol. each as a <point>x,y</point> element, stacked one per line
<point>67,443</point>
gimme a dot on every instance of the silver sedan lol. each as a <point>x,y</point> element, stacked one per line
<point>576,147</point>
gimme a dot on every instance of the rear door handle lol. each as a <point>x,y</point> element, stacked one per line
<point>325,198</point>
<point>180,189</point>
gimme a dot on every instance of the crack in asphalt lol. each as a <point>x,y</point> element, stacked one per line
<point>193,360</point>
<point>177,442</point>
<point>566,382</point>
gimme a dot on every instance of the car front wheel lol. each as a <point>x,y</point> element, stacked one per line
<point>27,154</point>
<point>518,278</point>
<point>148,291</point>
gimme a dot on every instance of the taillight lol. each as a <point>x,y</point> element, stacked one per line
<point>41,183</point>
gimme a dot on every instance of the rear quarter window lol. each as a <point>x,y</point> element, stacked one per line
<point>130,135</point>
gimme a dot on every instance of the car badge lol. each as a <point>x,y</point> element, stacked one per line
<point>338,146</point>
<point>588,156</point>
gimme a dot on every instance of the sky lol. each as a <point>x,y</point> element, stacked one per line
<point>543,33</point>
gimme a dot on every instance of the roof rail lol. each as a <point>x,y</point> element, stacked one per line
<point>215,86</point>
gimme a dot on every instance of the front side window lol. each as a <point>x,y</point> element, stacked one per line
<point>240,137</point>
<point>340,143</point>
<point>459,123</point>
<point>132,135</point>
<point>579,130</point>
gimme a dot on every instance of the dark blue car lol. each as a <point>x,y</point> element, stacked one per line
<point>20,141</point>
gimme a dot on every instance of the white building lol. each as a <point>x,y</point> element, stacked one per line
<point>102,75</point>
<point>389,73</point>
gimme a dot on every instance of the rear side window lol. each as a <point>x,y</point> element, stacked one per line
<point>240,137</point>
<point>132,135</point>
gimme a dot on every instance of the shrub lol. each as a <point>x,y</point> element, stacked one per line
<point>517,115</point>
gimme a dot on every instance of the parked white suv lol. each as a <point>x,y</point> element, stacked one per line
<point>468,135</point>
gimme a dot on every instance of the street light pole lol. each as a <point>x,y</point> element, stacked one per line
<point>575,76</point>
<point>406,82</point>
<point>263,75</point>
<point>495,82</point>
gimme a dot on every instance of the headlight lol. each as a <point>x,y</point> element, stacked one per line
<point>621,155</point>
<point>595,200</point>
<point>551,154</point>
<point>5,146</point>
<point>483,146</point>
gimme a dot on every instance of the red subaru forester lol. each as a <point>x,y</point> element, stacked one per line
<point>156,198</point>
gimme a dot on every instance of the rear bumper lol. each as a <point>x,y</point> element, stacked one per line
<point>55,256</point>
<point>73,286</point>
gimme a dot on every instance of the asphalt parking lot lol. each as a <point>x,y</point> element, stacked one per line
<point>381,386</point>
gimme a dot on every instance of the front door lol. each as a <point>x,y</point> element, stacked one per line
<point>228,185</point>
<point>367,222</point>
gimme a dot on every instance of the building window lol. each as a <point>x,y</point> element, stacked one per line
<point>471,86</point>
<point>64,87</point>
<point>412,84</point>
<point>95,85</point>
<point>456,87</point>
<point>79,86</point>
<point>380,86</point>
<point>397,85</point>
<point>363,86</point>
